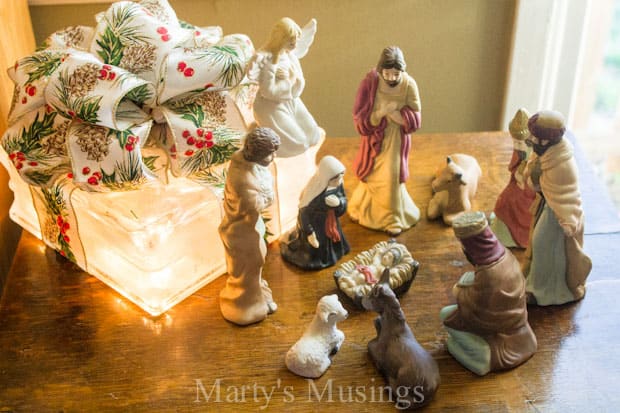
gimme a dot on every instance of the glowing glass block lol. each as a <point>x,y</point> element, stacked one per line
<point>158,245</point>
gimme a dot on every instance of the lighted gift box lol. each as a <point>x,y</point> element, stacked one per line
<point>118,144</point>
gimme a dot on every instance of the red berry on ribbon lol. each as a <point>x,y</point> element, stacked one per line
<point>186,134</point>
<point>107,67</point>
<point>200,132</point>
<point>70,175</point>
<point>93,181</point>
<point>165,37</point>
<point>131,139</point>
<point>24,100</point>
<point>66,238</point>
<point>111,76</point>
<point>208,85</point>
<point>209,144</point>
<point>103,74</point>
<point>181,66</point>
<point>200,144</point>
<point>31,90</point>
<point>97,174</point>
<point>19,166</point>
<point>12,156</point>
<point>129,147</point>
<point>86,170</point>
<point>162,30</point>
<point>189,72</point>
<point>59,220</point>
<point>209,136</point>
<point>191,140</point>
<point>189,152</point>
<point>33,163</point>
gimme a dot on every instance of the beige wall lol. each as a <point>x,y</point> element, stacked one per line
<point>456,50</point>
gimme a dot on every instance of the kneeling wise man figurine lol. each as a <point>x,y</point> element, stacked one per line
<point>246,298</point>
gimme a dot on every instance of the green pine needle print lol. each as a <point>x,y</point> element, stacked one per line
<point>140,94</point>
<point>84,107</point>
<point>87,108</point>
<point>232,71</point>
<point>194,113</point>
<point>149,162</point>
<point>186,25</point>
<point>57,210</point>
<point>29,140</point>
<point>226,141</point>
<point>118,33</point>
<point>42,64</point>
<point>211,178</point>
<point>111,51</point>
<point>127,175</point>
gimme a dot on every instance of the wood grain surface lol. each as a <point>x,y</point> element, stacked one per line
<point>69,343</point>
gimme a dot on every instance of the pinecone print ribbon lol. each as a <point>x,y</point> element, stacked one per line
<point>92,102</point>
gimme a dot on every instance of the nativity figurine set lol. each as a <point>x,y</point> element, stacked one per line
<point>488,330</point>
<point>488,327</point>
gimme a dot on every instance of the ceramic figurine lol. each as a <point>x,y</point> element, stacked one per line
<point>556,266</point>
<point>512,217</point>
<point>356,277</point>
<point>246,298</point>
<point>281,81</point>
<point>400,359</point>
<point>454,187</point>
<point>387,110</point>
<point>487,327</point>
<point>310,355</point>
<point>317,241</point>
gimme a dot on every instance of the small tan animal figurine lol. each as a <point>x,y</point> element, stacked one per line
<point>409,370</point>
<point>454,187</point>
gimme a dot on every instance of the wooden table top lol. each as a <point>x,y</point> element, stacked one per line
<point>69,343</point>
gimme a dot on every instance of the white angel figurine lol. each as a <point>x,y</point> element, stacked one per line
<point>281,81</point>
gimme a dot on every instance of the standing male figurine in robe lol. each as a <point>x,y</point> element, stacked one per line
<point>387,110</point>
<point>556,265</point>
<point>246,298</point>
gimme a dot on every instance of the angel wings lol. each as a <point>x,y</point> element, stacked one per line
<point>280,36</point>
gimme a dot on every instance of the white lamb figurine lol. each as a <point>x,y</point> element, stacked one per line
<point>310,355</point>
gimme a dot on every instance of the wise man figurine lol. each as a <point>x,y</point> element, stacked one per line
<point>556,265</point>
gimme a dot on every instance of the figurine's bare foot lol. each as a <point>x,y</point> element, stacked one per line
<point>393,231</point>
<point>272,307</point>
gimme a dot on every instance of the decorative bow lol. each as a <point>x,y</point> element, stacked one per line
<point>95,100</point>
<point>112,107</point>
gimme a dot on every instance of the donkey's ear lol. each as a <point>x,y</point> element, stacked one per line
<point>385,277</point>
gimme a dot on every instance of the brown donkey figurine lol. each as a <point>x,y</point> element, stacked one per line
<point>410,371</point>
